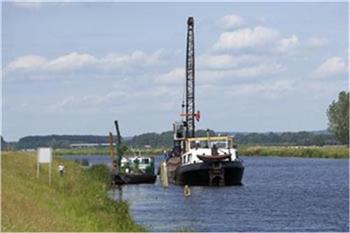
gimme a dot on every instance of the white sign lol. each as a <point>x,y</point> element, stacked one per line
<point>44,155</point>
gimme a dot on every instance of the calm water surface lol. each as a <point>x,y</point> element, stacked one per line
<point>279,194</point>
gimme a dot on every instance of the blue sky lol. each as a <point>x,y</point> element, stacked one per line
<point>73,68</point>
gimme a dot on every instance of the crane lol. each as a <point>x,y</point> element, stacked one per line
<point>190,115</point>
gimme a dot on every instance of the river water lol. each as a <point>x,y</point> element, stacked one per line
<point>279,194</point>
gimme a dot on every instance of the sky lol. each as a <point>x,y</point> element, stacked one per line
<point>74,68</point>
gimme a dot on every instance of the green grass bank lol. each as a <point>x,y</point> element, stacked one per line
<point>297,151</point>
<point>75,202</point>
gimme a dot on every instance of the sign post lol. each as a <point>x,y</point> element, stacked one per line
<point>44,156</point>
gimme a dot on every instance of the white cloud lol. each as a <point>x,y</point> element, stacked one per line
<point>231,21</point>
<point>37,3</point>
<point>222,61</point>
<point>260,70</point>
<point>28,62</point>
<point>80,61</point>
<point>137,57</point>
<point>89,102</point>
<point>331,67</point>
<point>158,98</point>
<point>175,76</point>
<point>226,61</point>
<point>70,61</point>
<point>270,89</point>
<point>27,3</point>
<point>315,42</point>
<point>241,74</point>
<point>286,44</point>
<point>265,37</point>
<point>263,89</point>
<point>246,38</point>
<point>221,76</point>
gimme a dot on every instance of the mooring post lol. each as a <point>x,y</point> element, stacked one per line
<point>187,191</point>
<point>164,175</point>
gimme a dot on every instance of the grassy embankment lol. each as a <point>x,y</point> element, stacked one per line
<point>288,151</point>
<point>76,202</point>
<point>296,151</point>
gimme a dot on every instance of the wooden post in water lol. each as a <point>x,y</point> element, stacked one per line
<point>187,191</point>
<point>164,175</point>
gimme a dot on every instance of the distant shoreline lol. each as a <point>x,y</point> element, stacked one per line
<point>286,151</point>
<point>341,152</point>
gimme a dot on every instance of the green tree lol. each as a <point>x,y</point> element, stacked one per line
<point>338,116</point>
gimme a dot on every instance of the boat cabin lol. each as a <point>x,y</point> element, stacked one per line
<point>224,142</point>
<point>200,148</point>
<point>137,163</point>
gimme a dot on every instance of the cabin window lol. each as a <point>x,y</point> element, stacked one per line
<point>229,144</point>
<point>193,145</point>
<point>145,161</point>
<point>189,157</point>
<point>221,144</point>
<point>179,134</point>
<point>204,144</point>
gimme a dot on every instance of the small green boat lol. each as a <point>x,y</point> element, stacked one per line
<point>130,170</point>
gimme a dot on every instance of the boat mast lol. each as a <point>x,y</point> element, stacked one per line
<point>190,101</point>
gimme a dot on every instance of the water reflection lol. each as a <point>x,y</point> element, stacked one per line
<point>116,192</point>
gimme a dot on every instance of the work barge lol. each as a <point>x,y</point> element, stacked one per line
<point>205,161</point>
<point>129,170</point>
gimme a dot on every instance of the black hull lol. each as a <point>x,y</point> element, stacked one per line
<point>221,173</point>
<point>134,179</point>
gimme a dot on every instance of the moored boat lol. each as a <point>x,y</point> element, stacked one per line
<point>130,170</point>
<point>200,160</point>
<point>210,161</point>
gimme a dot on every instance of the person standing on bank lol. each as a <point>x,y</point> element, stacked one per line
<point>61,169</point>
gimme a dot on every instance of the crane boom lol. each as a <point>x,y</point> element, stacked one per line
<point>118,149</point>
<point>190,100</point>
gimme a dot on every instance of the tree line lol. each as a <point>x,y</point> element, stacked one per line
<point>165,139</point>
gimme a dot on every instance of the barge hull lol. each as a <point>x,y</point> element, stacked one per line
<point>210,174</point>
<point>134,179</point>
